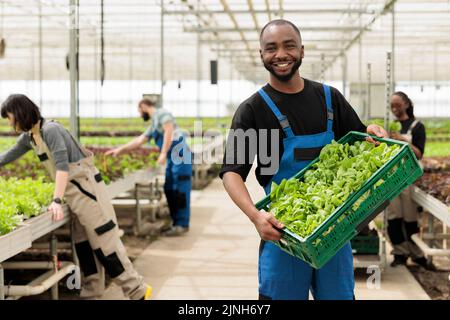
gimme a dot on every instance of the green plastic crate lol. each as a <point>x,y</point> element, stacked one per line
<point>348,220</point>
<point>366,244</point>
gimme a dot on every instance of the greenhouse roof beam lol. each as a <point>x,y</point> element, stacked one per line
<point>29,12</point>
<point>281,11</point>
<point>192,9</point>
<point>388,5</point>
<point>269,14</point>
<point>305,28</point>
<point>92,27</point>
<point>252,11</point>
<point>427,11</point>
<point>276,12</point>
<point>236,25</point>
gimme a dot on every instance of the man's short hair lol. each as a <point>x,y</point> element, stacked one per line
<point>279,22</point>
<point>147,102</point>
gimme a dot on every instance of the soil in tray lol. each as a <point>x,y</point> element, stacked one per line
<point>436,178</point>
<point>436,184</point>
<point>435,283</point>
<point>433,164</point>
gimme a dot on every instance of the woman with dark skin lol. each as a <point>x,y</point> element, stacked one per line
<point>403,109</point>
<point>403,211</point>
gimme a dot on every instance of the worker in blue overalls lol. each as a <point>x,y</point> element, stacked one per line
<point>310,115</point>
<point>174,150</point>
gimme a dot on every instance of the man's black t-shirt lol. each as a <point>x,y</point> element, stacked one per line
<point>418,133</point>
<point>306,112</point>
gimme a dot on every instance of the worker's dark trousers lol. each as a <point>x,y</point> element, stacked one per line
<point>402,216</point>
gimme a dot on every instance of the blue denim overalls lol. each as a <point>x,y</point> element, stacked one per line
<point>282,276</point>
<point>178,181</point>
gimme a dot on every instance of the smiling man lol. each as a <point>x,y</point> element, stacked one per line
<point>302,116</point>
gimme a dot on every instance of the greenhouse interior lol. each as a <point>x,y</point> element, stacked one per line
<point>224,150</point>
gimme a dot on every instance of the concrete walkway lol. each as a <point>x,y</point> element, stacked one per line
<point>217,259</point>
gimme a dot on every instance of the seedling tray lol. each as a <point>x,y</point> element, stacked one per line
<point>15,242</point>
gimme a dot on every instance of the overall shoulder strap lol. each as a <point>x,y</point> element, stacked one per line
<point>330,114</point>
<point>412,126</point>
<point>282,119</point>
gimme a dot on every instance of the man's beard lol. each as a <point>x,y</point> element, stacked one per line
<point>145,116</point>
<point>287,77</point>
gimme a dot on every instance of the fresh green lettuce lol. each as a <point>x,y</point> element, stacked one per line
<point>342,169</point>
<point>22,199</point>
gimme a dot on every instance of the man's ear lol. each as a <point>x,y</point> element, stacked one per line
<point>260,54</point>
<point>302,51</point>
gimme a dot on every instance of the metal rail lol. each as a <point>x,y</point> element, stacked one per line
<point>45,282</point>
<point>437,209</point>
<point>429,203</point>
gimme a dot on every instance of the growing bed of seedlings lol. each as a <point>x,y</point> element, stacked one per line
<point>26,187</point>
<point>131,126</point>
<point>26,175</point>
<point>436,178</point>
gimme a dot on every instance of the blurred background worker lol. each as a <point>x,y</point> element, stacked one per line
<point>77,180</point>
<point>173,150</point>
<point>403,211</point>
